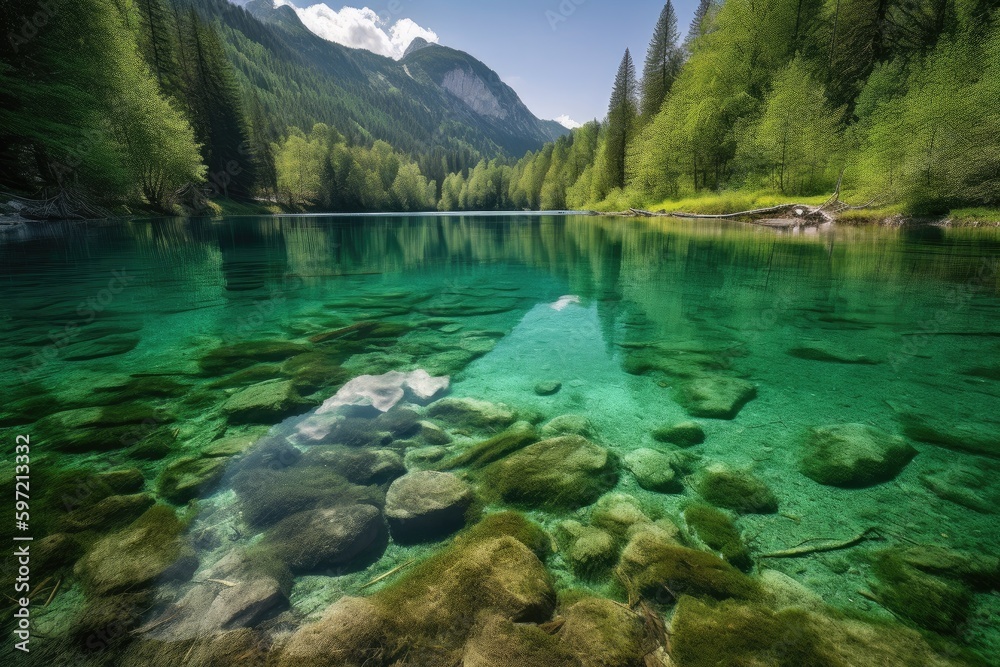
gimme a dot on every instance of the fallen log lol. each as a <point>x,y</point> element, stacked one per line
<point>797,551</point>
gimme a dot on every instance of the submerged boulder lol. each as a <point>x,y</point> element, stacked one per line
<point>516,437</point>
<point>684,434</point>
<point>426,505</point>
<point>263,403</point>
<point>716,396</point>
<point>323,538</point>
<point>568,425</point>
<point>190,477</point>
<point>853,455</point>
<point>653,470</point>
<point>590,551</point>
<point>548,388</point>
<point>737,490</point>
<point>568,471</point>
<point>473,413</point>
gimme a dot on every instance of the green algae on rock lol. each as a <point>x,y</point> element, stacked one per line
<point>717,531</point>
<point>266,402</point>
<point>516,437</point>
<point>321,538</point>
<point>427,505</point>
<point>735,489</point>
<point>683,434</point>
<point>653,470</point>
<point>853,455</point>
<point>472,412</point>
<point>568,471</point>
<point>716,396</point>
<point>189,477</point>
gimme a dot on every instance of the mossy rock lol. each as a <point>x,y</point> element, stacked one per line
<point>653,470</point>
<point>548,388</point>
<point>974,438</point>
<point>190,477</point>
<point>683,434</point>
<point>736,490</point>
<point>564,472</point>
<point>589,551</point>
<point>717,531</point>
<point>619,514</point>
<point>315,371</point>
<point>601,633</point>
<point>499,642</point>
<point>427,505</point>
<point>231,358</point>
<point>358,466</point>
<point>716,397</point>
<point>516,437</point>
<point>324,538</point>
<point>473,413</point>
<point>512,524</point>
<point>54,552</point>
<point>980,571</point>
<point>232,445</point>
<point>107,514</point>
<point>853,455</point>
<point>263,403</point>
<point>823,352</point>
<point>268,495</point>
<point>155,446</point>
<point>151,550</point>
<point>568,425</point>
<point>650,565</point>
<point>709,634</point>
<point>933,603</point>
<point>143,387</point>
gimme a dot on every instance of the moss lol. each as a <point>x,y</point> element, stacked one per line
<point>928,601</point>
<point>685,434</point>
<point>512,524</point>
<point>650,564</point>
<point>501,642</point>
<point>518,436</point>
<point>736,490</point>
<point>590,551</point>
<point>564,472</point>
<point>151,386</point>
<point>190,477</point>
<point>148,551</point>
<point>314,371</point>
<point>602,633</point>
<point>252,375</point>
<point>729,633</point>
<point>155,446</point>
<point>716,530</point>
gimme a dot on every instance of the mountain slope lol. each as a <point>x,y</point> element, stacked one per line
<point>301,79</point>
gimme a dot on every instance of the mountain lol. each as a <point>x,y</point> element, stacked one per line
<point>435,102</point>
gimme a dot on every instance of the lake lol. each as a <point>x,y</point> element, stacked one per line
<point>427,439</point>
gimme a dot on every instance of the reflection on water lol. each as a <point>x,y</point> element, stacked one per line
<point>287,439</point>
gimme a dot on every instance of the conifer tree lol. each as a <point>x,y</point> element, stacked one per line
<point>663,62</point>
<point>622,116</point>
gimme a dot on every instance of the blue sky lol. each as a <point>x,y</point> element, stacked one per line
<point>559,55</point>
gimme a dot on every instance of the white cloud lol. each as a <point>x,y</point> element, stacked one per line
<point>568,122</point>
<point>361,28</point>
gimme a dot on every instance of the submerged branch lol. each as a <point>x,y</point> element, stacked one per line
<point>795,552</point>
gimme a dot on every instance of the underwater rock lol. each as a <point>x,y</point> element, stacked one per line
<point>434,434</point>
<point>653,470</point>
<point>853,455</point>
<point>981,572</point>
<point>100,428</point>
<point>717,397</point>
<point>268,495</point>
<point>362,466</point>
<point>190,477</point>
<point>964,486</point>
<point>602,633</point>
<point>322,538</point>
<point>568,471</point>
<point>231,358</point>
<point>651,563</point>
<point>426,505</point>
<point>717,531</point>
<point>473,413</point>
<point>353,629</point>
<point>486,572</point>
<point>155,446</point>
<point>568,425</point>
<point>107,514</point>
<point>820,352</point>
<point>516,437</point>
<point>937,604</point>
<point>782,591</point>
<point>264,403</point>
<point>590,551</point>
<point>150,550</point>
<point>548,388</point>
<point>706,634</point>
<point>424,457</point>
<point>399,422</point>
<point>499,642</point>
<point>232,445</point>
<point>108,346</point>
<point>314,371</point>
<point>362,333</point>
<point>737,490</point>
<point>684,434</point>
<point>242,605</point>
<point>618,513</point>
<point>143,387</point>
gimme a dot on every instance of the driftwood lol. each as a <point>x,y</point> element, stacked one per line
<point>802,550</point>
<point>64,205</point>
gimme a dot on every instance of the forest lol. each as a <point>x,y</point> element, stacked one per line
<point>163,105</point>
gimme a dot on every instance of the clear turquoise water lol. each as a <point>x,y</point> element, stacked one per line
<point>897,329</point>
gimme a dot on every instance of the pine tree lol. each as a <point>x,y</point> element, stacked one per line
<point>663,62</point>
<point>622,116</point>
<point>699,24</point>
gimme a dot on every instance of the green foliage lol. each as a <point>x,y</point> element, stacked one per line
<point>663,62</point>
<point>622,119</point>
